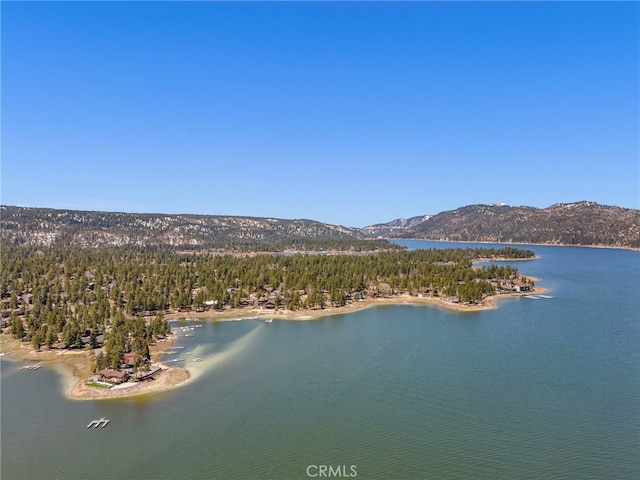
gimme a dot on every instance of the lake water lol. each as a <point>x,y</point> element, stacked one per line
<point>545,388</point>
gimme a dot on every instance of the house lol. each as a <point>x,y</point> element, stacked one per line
<point>113,376</point>
<point>129,359</point>
<point>86,338</point>
<point>522,286</point>
<point>210,303</point>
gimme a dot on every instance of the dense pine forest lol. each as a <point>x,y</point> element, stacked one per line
<point>72,297</point>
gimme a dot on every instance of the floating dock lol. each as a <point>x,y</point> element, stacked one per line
<point>32,367</point>
<point>102,422</point>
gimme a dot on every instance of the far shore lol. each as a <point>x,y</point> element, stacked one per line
<point>76,364</point>
<point>519,244</point>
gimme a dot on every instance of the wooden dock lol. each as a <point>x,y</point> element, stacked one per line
<point>142,375</point>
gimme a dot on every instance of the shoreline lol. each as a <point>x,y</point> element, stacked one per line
<point>75,365</point>
<point>316,314</point>
<point>75,368</point>
<point>167,379</point>
<point>504,259</point>
<point>486,242</point>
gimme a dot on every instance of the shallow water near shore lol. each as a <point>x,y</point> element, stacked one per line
<point>543,388</point>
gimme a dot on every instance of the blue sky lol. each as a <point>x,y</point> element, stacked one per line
<point>347,113</point>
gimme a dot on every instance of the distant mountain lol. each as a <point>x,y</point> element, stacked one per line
<point>398,225</point>
<point>47,227</point>
<point>580,223</point>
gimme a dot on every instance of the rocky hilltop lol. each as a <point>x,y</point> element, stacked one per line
<point>580,223</point>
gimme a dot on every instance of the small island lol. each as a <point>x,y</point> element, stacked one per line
<point>105,313</point>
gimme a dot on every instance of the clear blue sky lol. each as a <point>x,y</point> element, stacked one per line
<point>347,113</point>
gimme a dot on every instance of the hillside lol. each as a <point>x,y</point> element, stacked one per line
<point>394,226</point>
<point>49,227</point>
<point>581,223</point>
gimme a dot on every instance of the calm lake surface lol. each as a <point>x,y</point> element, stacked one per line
<point>545,388</point>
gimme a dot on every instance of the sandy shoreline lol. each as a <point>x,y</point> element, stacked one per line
<point>401,299</point>
<point>168,379</point>
<point>76,365</point>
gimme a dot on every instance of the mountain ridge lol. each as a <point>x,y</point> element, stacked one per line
<point>578,223</point>
<point>48,227</point>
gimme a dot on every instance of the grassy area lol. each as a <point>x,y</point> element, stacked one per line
<point>99,385</point>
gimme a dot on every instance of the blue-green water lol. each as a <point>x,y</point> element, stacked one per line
<point>546,388</point>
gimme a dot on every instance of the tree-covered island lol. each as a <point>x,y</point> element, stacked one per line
<point>114,302</point>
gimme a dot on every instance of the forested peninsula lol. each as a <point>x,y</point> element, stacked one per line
<point>113,303</point>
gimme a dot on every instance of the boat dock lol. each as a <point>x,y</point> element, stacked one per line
<point>144,375</point>
<point>102,422</point>
<point>32,367</point>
